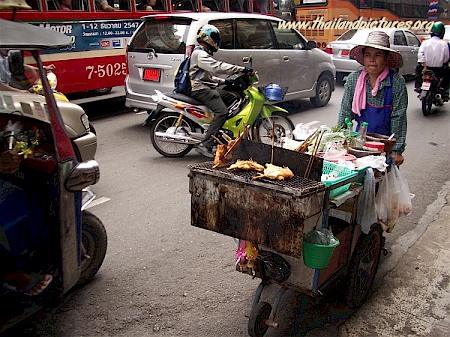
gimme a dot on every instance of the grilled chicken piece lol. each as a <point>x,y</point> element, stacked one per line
<point>219,160</point>
<point>275,172</point>
<point>246,165</point>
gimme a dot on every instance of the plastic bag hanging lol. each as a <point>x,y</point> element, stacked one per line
<point>405,204</point>
<point>367,215</point>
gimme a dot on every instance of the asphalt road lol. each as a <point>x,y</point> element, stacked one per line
<point>161,276</point>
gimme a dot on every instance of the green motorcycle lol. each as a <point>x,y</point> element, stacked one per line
<point>179,122</point>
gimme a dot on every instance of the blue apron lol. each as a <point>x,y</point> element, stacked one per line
<point>379,117</point>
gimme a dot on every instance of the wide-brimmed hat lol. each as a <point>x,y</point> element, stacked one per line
<point>378,40</point>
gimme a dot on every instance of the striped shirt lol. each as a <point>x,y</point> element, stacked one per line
<point>400,104</point>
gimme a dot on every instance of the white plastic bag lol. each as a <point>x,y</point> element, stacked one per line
<point>366,214</point>
<point>405,204</point>
<point>387,201</point>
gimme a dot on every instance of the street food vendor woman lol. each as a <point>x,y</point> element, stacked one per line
<point>377,94</point>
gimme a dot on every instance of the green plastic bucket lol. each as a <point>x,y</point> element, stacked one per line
<point>317,256</point>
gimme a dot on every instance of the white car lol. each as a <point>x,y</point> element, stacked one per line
<point>402,40</point>
<point>281,56</point>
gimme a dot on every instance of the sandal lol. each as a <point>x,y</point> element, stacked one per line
<point>30,284</point>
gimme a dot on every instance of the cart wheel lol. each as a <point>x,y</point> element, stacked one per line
<point>257,326</point>
<point>364,266</point>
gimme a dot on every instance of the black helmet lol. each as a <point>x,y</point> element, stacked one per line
<point>210,35</point>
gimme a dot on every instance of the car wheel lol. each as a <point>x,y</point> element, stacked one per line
<point>102,91</point>
<point>323,92</point>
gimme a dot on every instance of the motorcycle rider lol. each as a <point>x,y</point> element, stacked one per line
<point>202,69</point>
<point>434,55</point>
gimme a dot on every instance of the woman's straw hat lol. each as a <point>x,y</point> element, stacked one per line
<point>379,40</point>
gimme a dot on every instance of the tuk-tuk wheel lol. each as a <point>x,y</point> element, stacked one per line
<point>364,266</point>
<point>257,326</point>
<point>94,243</point>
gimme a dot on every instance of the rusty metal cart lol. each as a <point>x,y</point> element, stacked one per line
<point>274,214</point>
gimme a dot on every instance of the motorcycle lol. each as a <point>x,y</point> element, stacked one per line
<point>179,122</point>
<point>431,92</point>
<point>45,172</point>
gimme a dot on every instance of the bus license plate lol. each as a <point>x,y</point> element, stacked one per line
<point>152,74</point>
<point>426,85</point>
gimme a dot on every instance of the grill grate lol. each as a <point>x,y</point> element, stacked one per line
<point>297,183</point>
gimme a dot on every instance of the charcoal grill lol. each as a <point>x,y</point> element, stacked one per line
<point>273,213</point>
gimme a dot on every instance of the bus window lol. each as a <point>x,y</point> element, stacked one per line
<point>67,5</point>
<point>261,6</point>
<point>34,4</point>
<point>183,5</point>
<point>214,5</point>
<point>151,5</point>
<point>53,5</point>
<point>239,5</point>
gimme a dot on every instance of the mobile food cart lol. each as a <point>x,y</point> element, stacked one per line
<point>271,216</point>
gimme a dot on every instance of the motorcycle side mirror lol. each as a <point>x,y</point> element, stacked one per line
<point>83,175</point>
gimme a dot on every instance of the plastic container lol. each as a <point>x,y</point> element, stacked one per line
<point>344,173</point>
<point>375,145</point>
<point>317,256</point>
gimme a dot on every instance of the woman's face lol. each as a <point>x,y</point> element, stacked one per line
<point>374,60</point>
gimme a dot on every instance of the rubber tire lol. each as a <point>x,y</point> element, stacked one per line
<point>102,91</point>
<point>427,102</point>
<point>256,133</point>
<point>156,124</point>
<point>95,242</point>
<point>323,92</point>
<point>357,292</point>
<point>256,325</point>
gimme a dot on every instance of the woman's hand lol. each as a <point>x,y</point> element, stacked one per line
<point>397,158</point>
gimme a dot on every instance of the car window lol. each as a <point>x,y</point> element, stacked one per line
<point>226,33</point>
<point>288,38</point>
<point>399,38</point>
<point>253,34</point>
<point>163,36</point>
<point>347,35</point>
<point>412,39</point>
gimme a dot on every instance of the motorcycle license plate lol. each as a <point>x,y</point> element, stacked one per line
<point>426,85</point>
<point>151,74</point>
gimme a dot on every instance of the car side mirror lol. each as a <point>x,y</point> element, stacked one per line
<point>311,45</point>
<point>82,175</point>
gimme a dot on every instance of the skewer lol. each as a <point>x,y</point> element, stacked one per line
<point>227,138</point>
<point>236,141</point>
<point>313,155</point>
<point>273,142</point>
<point>217,140</point>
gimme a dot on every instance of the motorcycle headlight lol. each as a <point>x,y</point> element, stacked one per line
<point>85,121</point>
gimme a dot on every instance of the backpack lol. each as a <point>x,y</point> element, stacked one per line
<point>182,79</point>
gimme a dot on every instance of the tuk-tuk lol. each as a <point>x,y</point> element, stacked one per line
<point>44,225</point>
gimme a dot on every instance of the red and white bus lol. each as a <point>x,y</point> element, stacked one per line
<point>96,59</point>
<point>325,20</point>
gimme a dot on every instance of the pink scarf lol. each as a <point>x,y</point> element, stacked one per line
<point>359,97</point>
